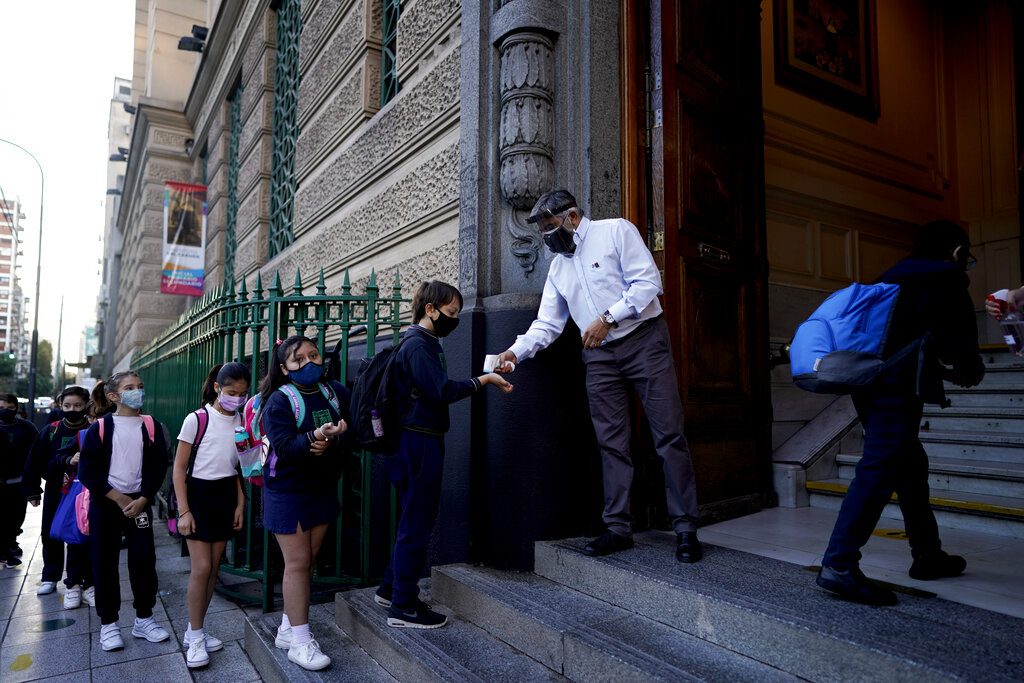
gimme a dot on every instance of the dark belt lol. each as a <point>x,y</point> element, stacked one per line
<point>633,332</point>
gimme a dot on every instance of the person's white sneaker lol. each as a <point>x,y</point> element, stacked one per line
<point>89,596</point>
<point>110,637</point>
<point>46,587</point>
<point>150,630</point>
<point>308,656</point>
<point>212,644</point>
<point>73,597</point>
<point>197,655</point>
<point>283,640</point>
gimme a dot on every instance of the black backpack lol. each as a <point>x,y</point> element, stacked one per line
<point>375,399</point>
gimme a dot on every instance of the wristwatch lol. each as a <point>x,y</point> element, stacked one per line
<point>608,319</point>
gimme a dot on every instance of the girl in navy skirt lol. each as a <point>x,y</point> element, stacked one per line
<point>123,464</point>
<point>304,418</point>
<point>54,457</point>
<point>415,466</point>
<point>211,503</point>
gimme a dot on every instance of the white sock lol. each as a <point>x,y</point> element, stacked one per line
<point>192,636</point>
<point>301,634</point>
<point>285,624</point>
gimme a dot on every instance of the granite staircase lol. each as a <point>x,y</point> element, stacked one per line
<point>976,455</point>
<point>639,615</point>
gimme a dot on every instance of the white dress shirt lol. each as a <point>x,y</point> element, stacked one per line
<point>611,270</point>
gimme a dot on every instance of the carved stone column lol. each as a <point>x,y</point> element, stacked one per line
<point>526,136</point>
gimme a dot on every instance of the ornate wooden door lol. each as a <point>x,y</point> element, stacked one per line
<point>706,212</point>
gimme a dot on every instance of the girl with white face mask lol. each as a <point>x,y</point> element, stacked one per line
<point>211,502</point>
<point>123,463</point>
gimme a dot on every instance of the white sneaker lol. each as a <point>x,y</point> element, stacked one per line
<point>73,597</point>
<point>89,596</point>
<point>212,644</point>
<point>110,637</point>
<point>150,630</point>
<point>308,656</point>
<point>283,640</point>
<point>197,656</point>
<point>46,587</point>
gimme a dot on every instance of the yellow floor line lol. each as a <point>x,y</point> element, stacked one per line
<point>832,487</point>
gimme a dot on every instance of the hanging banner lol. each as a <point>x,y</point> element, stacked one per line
<point>184,239</point>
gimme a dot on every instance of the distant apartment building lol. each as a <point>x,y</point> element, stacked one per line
<point>119,133</point>
<point>12,304</point>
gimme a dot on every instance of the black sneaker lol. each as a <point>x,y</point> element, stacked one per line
<point>16,550</point>
<point>415,616</point>
<point>688,548</point>
<point>606,544</point>
<point>12,561</point>
<point>940,566</point>
<point>383,596</point>
<point>852,585</point>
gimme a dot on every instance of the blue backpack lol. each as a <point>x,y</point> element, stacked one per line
<point>839,348</point>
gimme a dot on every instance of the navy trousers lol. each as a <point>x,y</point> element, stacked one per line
<point>106,525</point>
<point>12,515</point>
<point>893,460</point>
<point>415,470</point>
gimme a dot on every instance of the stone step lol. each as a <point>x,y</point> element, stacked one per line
<point>953,509</point>
<point>582,637</point>
<point>1000,375</point>
<point>458,651</point>
<point>349,662</point>
<point>980,420</point>
<point>954,474</point>
<point>772,611</point>
<point>973,446</point>
<point>963,398</point>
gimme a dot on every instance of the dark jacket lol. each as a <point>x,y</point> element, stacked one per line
<point>933,300</point>
<point>15,444</point>
<point>51,451</point>
<point>297,469</point>
<point>94,464</point>
<point>420,365</point>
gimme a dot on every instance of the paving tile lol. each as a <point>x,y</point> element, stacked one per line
<point>229,664</point>
<point>11,584</point>
<point>84,676</point>
<point>29,603</point>
<point>168,667</point>
<point>7,606</point>
<point>46,626</point>
<point>44,658</point>
<point>134,648</point>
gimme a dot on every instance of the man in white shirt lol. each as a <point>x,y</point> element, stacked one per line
<point>605,278</point>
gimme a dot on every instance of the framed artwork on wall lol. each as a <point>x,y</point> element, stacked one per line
<point>825,49</point>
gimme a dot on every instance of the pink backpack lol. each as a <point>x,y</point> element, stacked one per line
<point>82,499</point>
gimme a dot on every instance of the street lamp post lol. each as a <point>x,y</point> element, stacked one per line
<point>39,262</point>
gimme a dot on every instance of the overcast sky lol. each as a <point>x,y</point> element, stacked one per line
<point>59,60</point>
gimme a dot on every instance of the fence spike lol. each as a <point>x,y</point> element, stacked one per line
<point>321,288</point>
<point>373,279</point>
<point>346,288</point>
<point>297,287</point>
<point>231,291</point>
<point>398,285</point>
<point>243,293</point>
<point>275,286</point>
<point>258,289</point>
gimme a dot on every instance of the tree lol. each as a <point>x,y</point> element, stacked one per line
<point>44,373</point>
<point>8,379</point>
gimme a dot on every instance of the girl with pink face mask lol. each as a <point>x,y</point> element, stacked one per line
<point>208,486</point>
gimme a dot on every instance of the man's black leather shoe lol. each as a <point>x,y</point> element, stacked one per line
<point>940,566</point>
<point>688,548</point>
<point>606,544</point>
<point>852,585</point>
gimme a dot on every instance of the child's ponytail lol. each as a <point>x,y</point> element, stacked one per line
<point>103,405</point>
<point>209,392</point>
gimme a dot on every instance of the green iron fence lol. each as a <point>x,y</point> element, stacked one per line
<point>229,325</point>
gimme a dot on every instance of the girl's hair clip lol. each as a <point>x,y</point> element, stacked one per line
<point>278,342</point>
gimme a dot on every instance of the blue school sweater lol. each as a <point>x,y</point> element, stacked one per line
<point>420,365</point>
<point>49,458</point>
<point>297,470</point>
<point>94,465</point>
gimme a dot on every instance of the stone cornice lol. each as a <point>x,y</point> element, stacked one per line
<point>544,16</point>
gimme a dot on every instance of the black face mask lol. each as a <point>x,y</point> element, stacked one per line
<point>74,416</point>
<point>7,414</point>
<point>444,325</point>
<point>559,240</point>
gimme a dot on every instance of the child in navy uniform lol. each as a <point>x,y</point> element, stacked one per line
<point>55,457</point>
<point>211,503</point>
<point>16,437</point>
<point>303,417</point>
<point>123,463</point>
<point>415,467</point>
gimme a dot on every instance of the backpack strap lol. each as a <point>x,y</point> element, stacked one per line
<point>150,427</point>
<point>202,421</point>
<point>298,405</point>
<point>332,398</point>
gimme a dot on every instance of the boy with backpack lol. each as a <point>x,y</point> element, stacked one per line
<point>933,305</point>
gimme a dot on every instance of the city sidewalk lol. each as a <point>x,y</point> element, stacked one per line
<point>43,641</point>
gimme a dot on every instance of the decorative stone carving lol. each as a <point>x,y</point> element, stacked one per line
<point>526,135</point>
